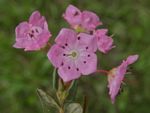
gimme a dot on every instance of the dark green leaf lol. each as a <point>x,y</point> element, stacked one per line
<point>48,100</point>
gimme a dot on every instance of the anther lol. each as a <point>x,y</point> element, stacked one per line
<point>66,44</point>
<point>69,67</point>
<point>62,64</point>
<point>76,13</point>
<point>79,38</point>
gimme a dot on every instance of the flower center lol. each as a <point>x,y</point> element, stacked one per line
<point>79,29</point>
<point>34,32</point>
<point>73,54</point>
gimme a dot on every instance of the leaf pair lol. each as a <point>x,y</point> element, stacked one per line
<point>50,101</point>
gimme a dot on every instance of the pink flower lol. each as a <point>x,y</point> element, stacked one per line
<point>73,54</point>
<point>85,20</point>
<point>104,42</point>
<point>116,76</point>
<point>34,34</point>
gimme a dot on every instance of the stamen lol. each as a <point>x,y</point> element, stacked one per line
<point>91,32</point>
<point>31,35</point>
<point>73,54</point>
<point>66,44</point>
<point>69,67</point>
<point>76,13</point>
<point>79,38</point>
<point>62,64</point>
<point>37,30</point>
<point>63,47</point>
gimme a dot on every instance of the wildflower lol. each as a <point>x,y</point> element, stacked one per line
<point>116,76</point>
<point>73,54</point>
<point>81,21</point>
<point>32,35</point>
<point>104,42</point>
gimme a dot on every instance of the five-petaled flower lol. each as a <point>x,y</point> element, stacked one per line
<point>73,54</point>
<point>85,21</point>
<point>32,35</point>
<point>116,76</point>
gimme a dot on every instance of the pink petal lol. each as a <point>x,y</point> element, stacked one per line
<point>69,71</point>
<point>123,67</point>
<point>55,55</point>
<point>87,42</point>
<point>114,88</point>
<point>28,44</point>
<point>37,19</point>
<point>132,58</point>
<point>104,42</point>
<point>18,45</point>
<point>21,30</point>
<point>72,15</point>
<point>66,36</point>
<point>101,32</point>
<point>87,63</point>
<point>90,20</point>
<point>33,46</point>
<point>43,38</point>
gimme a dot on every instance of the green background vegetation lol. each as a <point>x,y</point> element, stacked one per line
<point>21,73</point>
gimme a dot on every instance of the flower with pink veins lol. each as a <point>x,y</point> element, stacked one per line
<point>104,42</point>
<point>34,34</point>
<point>81,21</point>
<point>73,54</point>
<point>116,76</point>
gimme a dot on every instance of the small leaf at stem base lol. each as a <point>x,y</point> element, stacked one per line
<point>73,108</point>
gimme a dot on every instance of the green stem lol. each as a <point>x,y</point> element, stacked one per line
<point>54,79</point>
<point>61,110</point>
<point>84,104</point>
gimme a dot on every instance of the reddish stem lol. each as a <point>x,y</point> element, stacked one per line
<point>103,71</point>
<point>49,44</point>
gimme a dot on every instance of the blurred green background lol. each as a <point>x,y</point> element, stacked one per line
<point>21,73</point>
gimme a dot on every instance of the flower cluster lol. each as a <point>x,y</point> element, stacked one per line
<point>74,51</point>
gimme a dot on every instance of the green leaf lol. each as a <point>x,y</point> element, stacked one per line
<point>74,108</point>
<point>48,100</point>
<point>73,90</point>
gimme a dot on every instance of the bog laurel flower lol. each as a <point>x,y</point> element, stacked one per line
<point>116,76</point>
<point>104,42</point>
<point>32,35</point>
<point>81,21</point>
<point>73,54</point>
